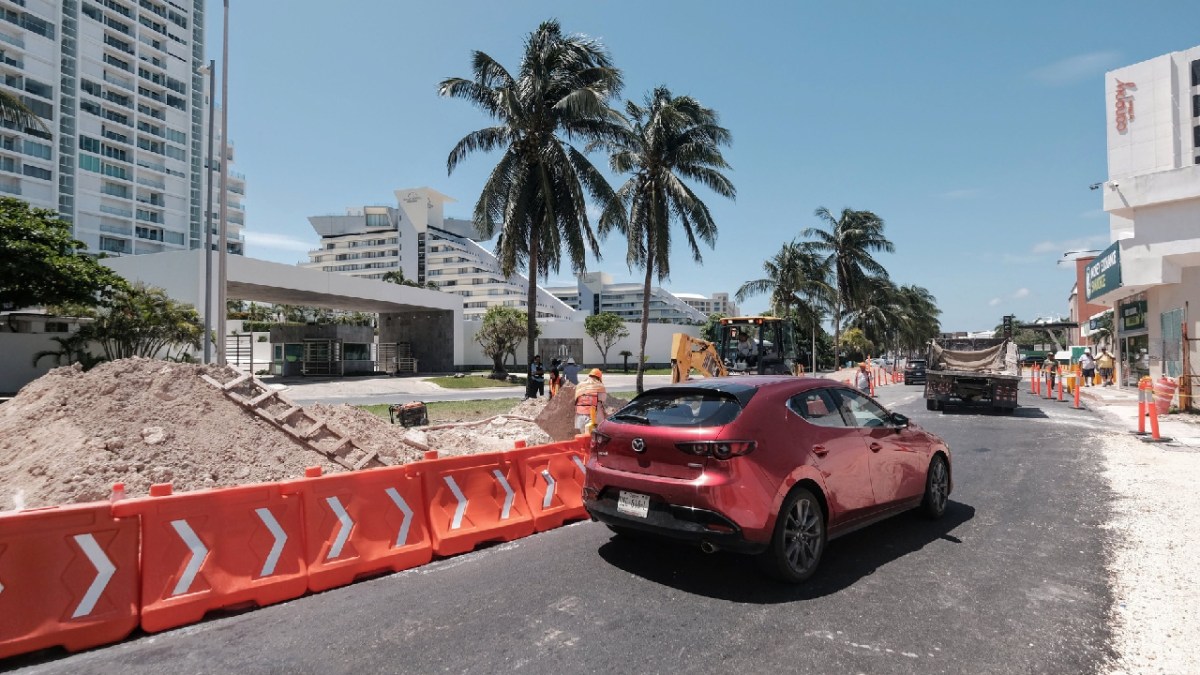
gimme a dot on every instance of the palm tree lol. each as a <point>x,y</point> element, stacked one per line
<point>536,191</point>
<point>794,277</point>
<point>13,109</point>
<point>922,312</point>
<point>668,139</point>
<point>847,247</point>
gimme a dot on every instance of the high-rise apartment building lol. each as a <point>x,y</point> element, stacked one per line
<point>416,239</point>
<point>118,84</point>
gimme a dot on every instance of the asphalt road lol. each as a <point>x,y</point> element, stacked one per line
<point>1011,580</point>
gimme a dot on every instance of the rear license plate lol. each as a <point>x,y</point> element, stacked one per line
<point>633,504</point>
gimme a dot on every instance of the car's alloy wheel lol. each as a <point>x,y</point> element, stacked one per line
<point>937,488</point>
<point>799,539</point>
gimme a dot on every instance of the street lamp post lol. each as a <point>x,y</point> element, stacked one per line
<point>211,72</point>
<point>223,252</point>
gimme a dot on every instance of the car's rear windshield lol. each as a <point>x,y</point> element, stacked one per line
<point>680,408</point>
<point>914,362</point>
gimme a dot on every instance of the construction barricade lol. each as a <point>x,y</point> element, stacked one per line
<point>362,523</point>
<point>552,478</point>
<point>473,499</point>
<point>216,549</point>
<point>68,577</point>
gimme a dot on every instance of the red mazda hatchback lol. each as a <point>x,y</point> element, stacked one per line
<point>768,465</point>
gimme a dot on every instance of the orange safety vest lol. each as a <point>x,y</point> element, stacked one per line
<point>587,397</point>
<point>585,403</point>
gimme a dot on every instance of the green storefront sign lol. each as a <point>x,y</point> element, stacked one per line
<point>1133,316</point>
<point>1103,274</point>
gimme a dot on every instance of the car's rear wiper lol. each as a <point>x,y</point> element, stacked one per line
<point>630,417</point>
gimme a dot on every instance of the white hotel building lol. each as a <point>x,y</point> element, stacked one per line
<point>1151,272</point>
<point>118,84</point>
<point>416,238</point>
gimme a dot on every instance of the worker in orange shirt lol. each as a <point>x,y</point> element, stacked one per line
<point>590,396</point>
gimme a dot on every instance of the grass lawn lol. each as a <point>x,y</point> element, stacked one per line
<point>448,411</point>
<point>472,382</point>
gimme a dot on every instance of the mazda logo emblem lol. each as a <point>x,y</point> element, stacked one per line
<point>639,445</point>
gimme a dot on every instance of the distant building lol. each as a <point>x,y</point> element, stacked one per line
<point>416,239</point>
<point>118,84</point>
<point>596,293</point>
<point>1152,269</point>
<point>719,303</point>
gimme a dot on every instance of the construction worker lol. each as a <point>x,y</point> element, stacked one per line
<point>590,396</point>
<point>862,378</point>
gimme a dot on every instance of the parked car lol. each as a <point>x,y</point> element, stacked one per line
<point>773,466</point>
<point>914,371</point>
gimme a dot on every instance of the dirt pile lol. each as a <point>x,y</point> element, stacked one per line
<point>557,418</point>
<point>70,435</point>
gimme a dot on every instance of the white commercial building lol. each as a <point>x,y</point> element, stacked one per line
<point>118,84</point>
<point>1151,272</point>
<point>596,293</point>
<point>416,239</point>
<point>719,303</point>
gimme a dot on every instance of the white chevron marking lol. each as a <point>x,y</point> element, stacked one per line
<point>549,489</point>
<point>578,463</point>
<point>462,502</point>
<point>347,524</point>
<point>104,572</point>
<point>402,537</point>
<point>508,500</point>
<point>199,553</point>
<point>280,539</point>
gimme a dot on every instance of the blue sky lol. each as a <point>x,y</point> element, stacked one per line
<point>973,129</point>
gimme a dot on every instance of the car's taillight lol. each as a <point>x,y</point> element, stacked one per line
<point>599,440</point>
<point>717,449</point>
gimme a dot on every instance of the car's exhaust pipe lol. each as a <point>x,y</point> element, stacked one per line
<point>708,547</point>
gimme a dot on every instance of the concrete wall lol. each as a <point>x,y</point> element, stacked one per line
<point>16,368</point>
<point>658,343</point>
<point>429,332</point>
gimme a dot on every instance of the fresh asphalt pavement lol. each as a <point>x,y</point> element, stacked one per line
<point>1011,580</point>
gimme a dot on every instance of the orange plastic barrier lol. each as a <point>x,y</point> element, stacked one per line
<point>473,499</point>
<point>553,481</point>
<point>362,523</point>
<point>68,577</point>
<point>213,549</point>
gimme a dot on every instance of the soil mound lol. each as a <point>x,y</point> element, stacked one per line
<point>68,436</point>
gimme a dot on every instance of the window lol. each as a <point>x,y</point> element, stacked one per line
<point>1196,73</point>
<point>176,136</point>
<point>1196,137</point>
<point>681,408</point>
<point>817,407</point>
<point>89,163</point>
<point>176,153</point>
<point>1196,105</point>
<point>37,172</point>
<point>38,89</point>
<point>862,411</point>
<point>35,149</point>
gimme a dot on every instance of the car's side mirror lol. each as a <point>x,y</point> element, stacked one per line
<point>900,421</point>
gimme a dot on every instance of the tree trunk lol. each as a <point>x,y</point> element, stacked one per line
<point>531,310</point>
<point>641,372</point>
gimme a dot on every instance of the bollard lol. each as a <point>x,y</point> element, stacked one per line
<point>1033,379</point>
<point>1060,384</point>
<point>1141,430</point>
<point>1077,396</point>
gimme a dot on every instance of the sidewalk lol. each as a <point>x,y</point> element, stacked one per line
<point>1120,405</point>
